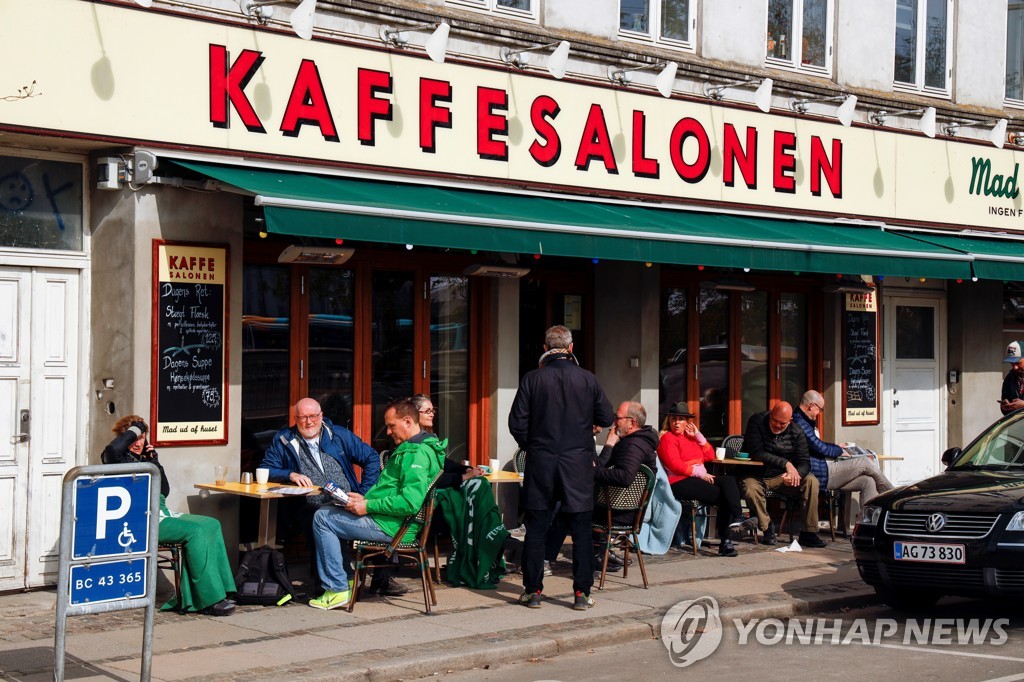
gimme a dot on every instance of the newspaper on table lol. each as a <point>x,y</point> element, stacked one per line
<point>291,490</point>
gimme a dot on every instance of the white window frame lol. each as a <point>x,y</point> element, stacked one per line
<point>1011,101</point>
<point>653,34</point>
<point>531,15</point>
<point>794,63</point>
<point>918,85</point>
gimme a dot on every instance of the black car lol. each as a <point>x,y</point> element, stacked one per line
<point>958,533</point>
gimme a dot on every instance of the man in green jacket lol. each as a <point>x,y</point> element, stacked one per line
<point>378,515</point>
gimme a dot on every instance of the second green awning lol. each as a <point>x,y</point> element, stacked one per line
<point>428,215</point>
<point>992,258</point>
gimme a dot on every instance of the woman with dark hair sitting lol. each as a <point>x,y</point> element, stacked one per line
<point>206,573</point>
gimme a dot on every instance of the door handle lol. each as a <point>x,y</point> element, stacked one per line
<point>25,420</point>
<point>895,403</point>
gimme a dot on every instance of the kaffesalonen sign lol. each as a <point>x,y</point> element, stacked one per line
<point>245,91</point>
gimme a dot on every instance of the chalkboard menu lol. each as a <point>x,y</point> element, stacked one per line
<point>189,400</point>
<point>860,359</point>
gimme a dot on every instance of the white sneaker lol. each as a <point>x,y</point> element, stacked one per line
<point>547,567</point>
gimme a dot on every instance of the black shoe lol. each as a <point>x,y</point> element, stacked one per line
<point>531,600</point>
<point>221,608</point>
<point>614,563</point>
<point>725,548</point>
<point>768,536</point>
<point>388,587</point>
<point>808,539</point>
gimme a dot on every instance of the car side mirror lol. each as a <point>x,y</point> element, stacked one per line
<point>949,456</point>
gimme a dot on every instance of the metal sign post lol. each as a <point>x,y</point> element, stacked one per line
<point>110,517</point>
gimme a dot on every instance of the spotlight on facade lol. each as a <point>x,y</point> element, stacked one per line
<point>844,113</point>
<point>261,10</point>
<point>557,62</point>
<point>762,96</point>
<point>997,135</point>
<point>926,124</point>
<point>436,46</point>
<point>665,81</point>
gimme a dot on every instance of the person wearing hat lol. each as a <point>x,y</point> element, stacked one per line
<point>1012,397</point>
<point>683,450</point>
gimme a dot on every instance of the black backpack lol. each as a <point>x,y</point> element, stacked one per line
<point>262,578</point>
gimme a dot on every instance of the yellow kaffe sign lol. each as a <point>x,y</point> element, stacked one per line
<point>236,89</point>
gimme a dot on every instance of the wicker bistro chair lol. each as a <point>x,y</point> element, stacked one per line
<point>733,444</point>
<point>635,497</point>
<point>169,555</point>
<point>835,501</point>
<point>415,552</point>
<point>519,461</point>
<point>696,508</point>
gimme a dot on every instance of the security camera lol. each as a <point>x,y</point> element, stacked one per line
<point>109,173</point>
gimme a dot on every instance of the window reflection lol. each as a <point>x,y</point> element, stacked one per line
<point>793,368</point>
<point>40,204</point>
<point>675,19</point>
<point>915,332</point>
<point>814,30</point>
<point>331,341</point>
<point>754,353</point>
<point>449,361</point>
<point>265,352</point>
<point>1015,50</point>
<point>391,352</point>
<point>674,371</point>
<point>713,310</point>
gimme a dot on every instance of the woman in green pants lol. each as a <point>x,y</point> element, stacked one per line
<point>206,573</point>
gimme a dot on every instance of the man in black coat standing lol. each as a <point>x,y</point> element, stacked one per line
<point>553,418</point>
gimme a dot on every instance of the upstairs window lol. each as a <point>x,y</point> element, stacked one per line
<point>800,35</point>
<point>1015,52</point>
<point>519,9</point>
<point>923,55</point>
<point>662,21</point>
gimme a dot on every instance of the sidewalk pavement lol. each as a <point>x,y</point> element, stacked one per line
<point>391,638</point>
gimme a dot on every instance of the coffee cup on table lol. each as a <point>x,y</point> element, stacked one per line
<point>246,478</point>
<point>495,465</point>
<point>262,476</point>
<point>719,453</point>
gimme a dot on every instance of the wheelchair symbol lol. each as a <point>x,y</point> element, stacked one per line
<point>126,539</point>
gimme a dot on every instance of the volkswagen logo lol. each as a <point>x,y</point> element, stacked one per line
<point>935,523</point>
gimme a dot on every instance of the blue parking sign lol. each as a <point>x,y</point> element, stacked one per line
<point>111,515</point>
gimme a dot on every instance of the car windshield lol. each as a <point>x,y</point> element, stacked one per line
<point>1002,446</point>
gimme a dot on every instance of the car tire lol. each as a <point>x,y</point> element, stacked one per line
<point>905,599</point>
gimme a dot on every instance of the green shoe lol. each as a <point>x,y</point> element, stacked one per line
<point>331,600</point>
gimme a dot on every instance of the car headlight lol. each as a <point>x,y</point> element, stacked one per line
<point>869,516</point>
<point>1016,522</point>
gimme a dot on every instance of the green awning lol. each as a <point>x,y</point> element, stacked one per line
<point>993,258</point>
<point>428,215</point>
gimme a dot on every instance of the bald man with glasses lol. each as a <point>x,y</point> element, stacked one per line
<point>830,464</point>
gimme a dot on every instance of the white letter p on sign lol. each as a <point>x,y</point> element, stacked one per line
<point>105,514</point>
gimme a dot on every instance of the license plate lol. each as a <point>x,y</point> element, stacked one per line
<point>928,552</point>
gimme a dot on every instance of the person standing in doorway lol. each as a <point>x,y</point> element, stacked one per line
<point>553,417</point>
<point>1012,396</point>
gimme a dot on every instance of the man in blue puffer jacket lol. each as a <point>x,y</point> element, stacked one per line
<point>858,474</point>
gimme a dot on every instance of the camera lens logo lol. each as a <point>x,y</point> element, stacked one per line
<point>691,631</point>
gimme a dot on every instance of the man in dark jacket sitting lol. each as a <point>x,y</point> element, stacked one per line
<point>630,443</point>
<point>772,437</point>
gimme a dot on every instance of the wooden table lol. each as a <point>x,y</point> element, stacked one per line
<point>263,492</point>
<point>504,477</point>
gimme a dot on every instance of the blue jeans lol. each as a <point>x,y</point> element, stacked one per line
<point>332,527</point>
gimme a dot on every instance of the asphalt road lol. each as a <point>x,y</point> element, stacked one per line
<point>880,644</point>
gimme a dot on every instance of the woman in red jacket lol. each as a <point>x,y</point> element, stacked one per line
<point>683,450</point>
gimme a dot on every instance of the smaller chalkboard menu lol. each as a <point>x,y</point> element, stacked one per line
<point>860,359</point>
<point>189,398</point>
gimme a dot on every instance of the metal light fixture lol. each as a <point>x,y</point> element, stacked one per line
<point>499,270</point>
<point>926,124</point>
<point>261,10</point>
<point>557,62</point>
<point>844,114</point>
<point>317,255</point>
<point>727,285</point>
<point>762,96</point>
<point>436,46</point>
<point>1016,139</point>
<point>997,136</point>
<point>664,82</point>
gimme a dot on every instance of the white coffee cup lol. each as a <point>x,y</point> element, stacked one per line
<point>719,453</point>
<point>495,465</point>
<point>262,476</point>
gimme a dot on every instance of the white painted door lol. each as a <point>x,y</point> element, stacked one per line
<point>913,367</point>
<point>39,332</point>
